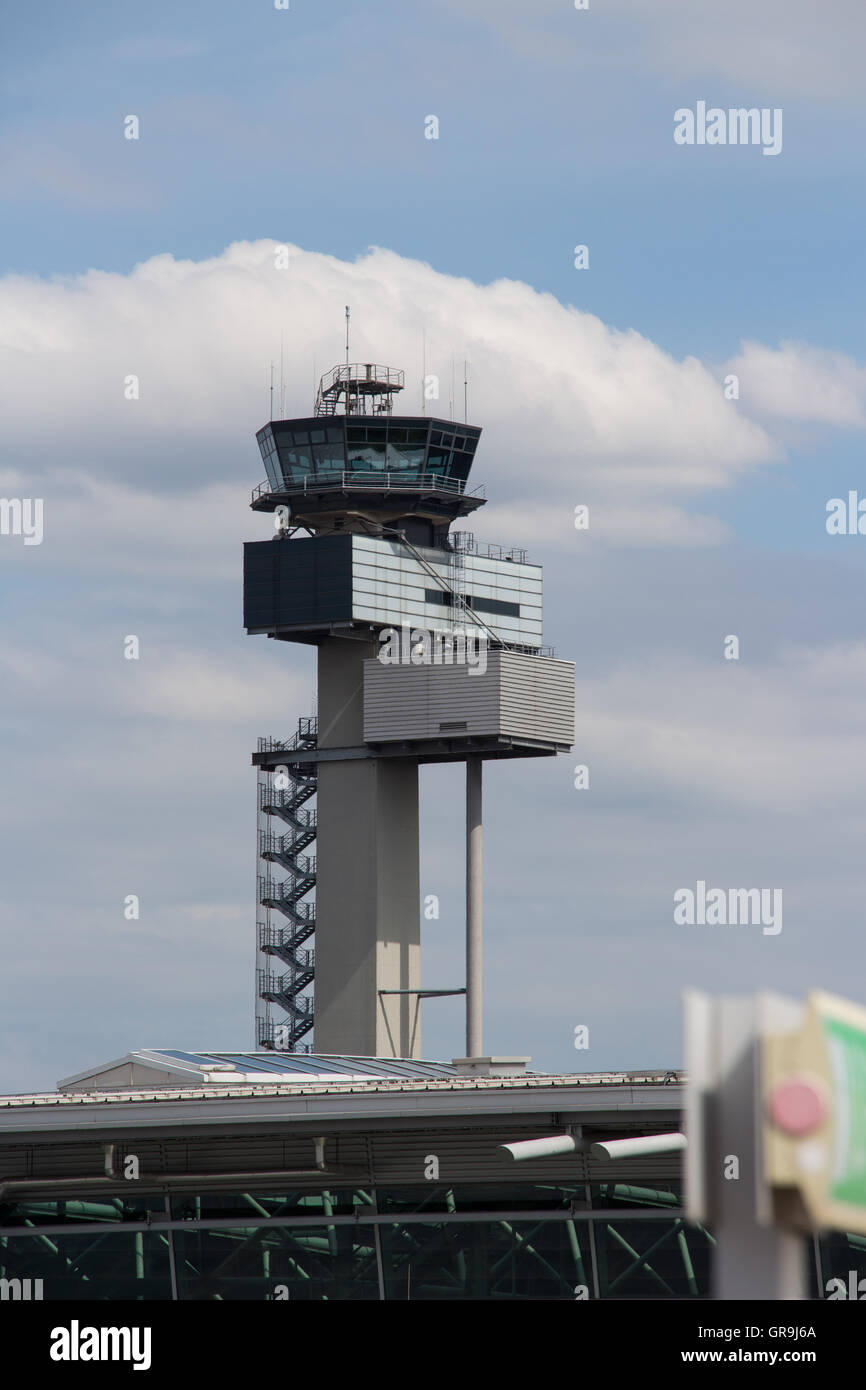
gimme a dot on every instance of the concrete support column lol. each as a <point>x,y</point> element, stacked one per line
<point>473,906</point>
<point>368,929</point>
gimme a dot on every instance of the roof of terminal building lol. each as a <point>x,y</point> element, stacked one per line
<point>252,1067</point>
<point>170,1075</point>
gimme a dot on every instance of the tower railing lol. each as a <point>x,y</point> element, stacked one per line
<point>275,892</point>
<point>274,940</point>
<point>288,985</point>
<point>276,1036</point>
<point>294,840</point>
<point>307,733</point>
<point>400,480</point>
<point>465,542</point>
<point>359,385</point>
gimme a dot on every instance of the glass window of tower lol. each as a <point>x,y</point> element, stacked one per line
<point>366,448</point>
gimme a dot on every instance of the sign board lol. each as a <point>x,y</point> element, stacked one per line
<point>813,1086</point>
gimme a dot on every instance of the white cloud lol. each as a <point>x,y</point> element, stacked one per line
<point>552,527</point>
<point>768,738</point>
<point>798,382</point>
<point>103,525</point>
<point>172,679</point>
<point>570,403</point>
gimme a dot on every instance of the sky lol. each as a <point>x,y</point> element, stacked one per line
<point>699,384</point>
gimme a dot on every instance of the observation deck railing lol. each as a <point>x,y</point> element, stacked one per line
<point>389,480</point>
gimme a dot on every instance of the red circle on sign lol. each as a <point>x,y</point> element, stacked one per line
<point>798,1106</point>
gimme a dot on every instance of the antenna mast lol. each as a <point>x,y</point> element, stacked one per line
<point>347,358</point>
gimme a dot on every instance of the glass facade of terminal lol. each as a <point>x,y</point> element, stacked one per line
<point>477,1242</point>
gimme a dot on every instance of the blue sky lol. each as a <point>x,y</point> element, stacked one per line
<point>255,121</point>
<point>306,127</point>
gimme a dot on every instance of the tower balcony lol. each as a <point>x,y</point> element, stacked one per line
<point>321,500</point>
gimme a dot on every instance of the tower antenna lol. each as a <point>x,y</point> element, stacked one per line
<point>347,358</point>
<point>271,416</point>
<point>465,391</point>
<point>282,381</point>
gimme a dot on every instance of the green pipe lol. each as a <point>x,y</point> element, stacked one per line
<point>639,1260</point>
<point>451,1205</point>
<point>328,1209</point>
<point>647,1196</point>
<point>575,1250</point>
<point>523,1245</point>
<point>95,1211</point>
<point>55,1250</point>
<point>687,1262</point>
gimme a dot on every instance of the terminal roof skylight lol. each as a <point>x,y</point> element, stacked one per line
<point>305,1065</point>
<point>169,1067</point>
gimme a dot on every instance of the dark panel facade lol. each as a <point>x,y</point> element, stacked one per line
<point>298,582</point>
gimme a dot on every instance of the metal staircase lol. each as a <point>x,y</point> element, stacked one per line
<point>461,613</point>
<point>282,796</point>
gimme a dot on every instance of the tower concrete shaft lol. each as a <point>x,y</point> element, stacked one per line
<point>473,906</point>
<point>368,936</point>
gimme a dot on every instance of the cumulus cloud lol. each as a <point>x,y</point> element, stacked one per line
<point>168,681</point>
<point>99,525</point>
<point>652,525</point>
<point>798,382</point>
<point>568,401</point>
<point>772,737</point>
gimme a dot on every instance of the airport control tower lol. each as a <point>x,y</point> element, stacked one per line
<point>429,650</point>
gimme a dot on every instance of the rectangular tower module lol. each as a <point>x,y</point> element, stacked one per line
<point>429,650</point>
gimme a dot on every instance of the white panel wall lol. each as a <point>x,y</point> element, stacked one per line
<point>388,584</point>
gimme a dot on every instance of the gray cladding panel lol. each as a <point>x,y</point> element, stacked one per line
<point>517,695</point>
